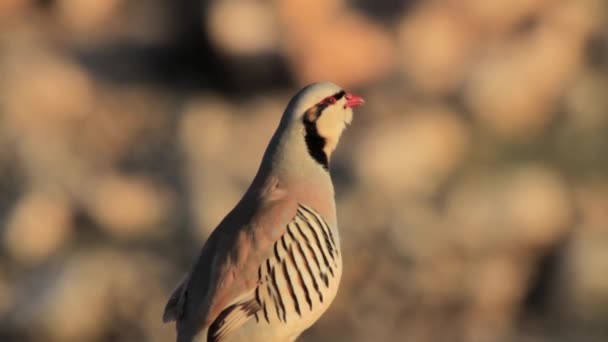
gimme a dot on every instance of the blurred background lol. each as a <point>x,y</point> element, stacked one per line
<point>472,187</point>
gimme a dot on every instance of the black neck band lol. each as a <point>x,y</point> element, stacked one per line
<point>316,144</point>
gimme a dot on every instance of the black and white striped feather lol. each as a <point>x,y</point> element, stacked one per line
<point>293,280</point>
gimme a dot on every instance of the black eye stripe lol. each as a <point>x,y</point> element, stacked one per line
<point>314,141</point>
<point>339,95</point>
<point>323,104</point>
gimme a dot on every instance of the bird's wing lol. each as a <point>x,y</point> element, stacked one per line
<point>175,305</point>
<point>232,318</point>
<point>226,273</point>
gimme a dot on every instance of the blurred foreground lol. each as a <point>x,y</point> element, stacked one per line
<point>472,188</point>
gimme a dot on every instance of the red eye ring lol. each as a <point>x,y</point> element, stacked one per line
<point>330,100</point>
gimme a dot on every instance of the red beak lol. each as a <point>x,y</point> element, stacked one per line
<point>353,100</point>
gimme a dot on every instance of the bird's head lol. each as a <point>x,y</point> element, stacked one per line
<point>318,114</point>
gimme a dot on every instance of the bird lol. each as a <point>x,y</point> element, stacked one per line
<point>272,266</point>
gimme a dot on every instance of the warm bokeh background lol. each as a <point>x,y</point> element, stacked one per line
<point>472,187</point>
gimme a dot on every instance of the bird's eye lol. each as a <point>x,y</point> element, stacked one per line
<point>330,100</point>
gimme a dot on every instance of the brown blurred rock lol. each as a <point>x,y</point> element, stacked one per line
<point>501,16</point>
<point>576,19</point>
<point>326,40</point>
<point>526,208</point>
<point>39,225</point>
<point>130,207</point>
<point>583,282</point>
<point>537,206</point>
<point>474,220</point>
<point>84,17</point>
<point>436,46</point>
<point>122,120</point>
<point>412,154</point>
<point>243,28</point>
<point>204,130</point>
<point>232,136</point>
<point>90,294</point>
<point>62,133</point>
<point>416,232</point>
<point>142,305</point>
<point>7,293</point>
<point>592,204</point>
<point>148,323</point>
<point>361,199</point>
<point>205,134</point>
<point>76,306</point>
<point>514,90</point>
<point>587,103</point>
<point>11,9</point>
<point>223,148</point>
<point>498,286</point>
<point>65,138</point>
<point>36,85</point>
<point>44,96</point>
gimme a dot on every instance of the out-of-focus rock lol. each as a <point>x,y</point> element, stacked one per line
<point>83,17</point>
<point>436,46</point>
<point>473,222</point>
<point>584,279</point>
<point>205,128</point>
<point>416,231</point>
<point>90,291</point>
<point>412,154</point>
<point>229,136</point>
<point>243,28</point>
<point>130,207</point>
<point>326,40</point>
<point>148,323</point>
<point>205,135</point>
<point>61,133</point>
<point>537,206</point>
<point>11,9</point>
<point>39,226</point>
<point>514,90</point>
<point>529,209</point>
<point>377,268</point>
<point>498,17</point>
<point>35,82</point>
<point>576,19</point>
<point>122,121</point>
<point>75,305</point>
<point>142,305</point>
<point>497,287</point>
<point>592,204</point>
<point>44,97</point>
<point>256,127</point>
<point>213,196</point>
<point>587,102</point>
<point>360,200</point>
<point>7,293</point>
<point>223,151</point>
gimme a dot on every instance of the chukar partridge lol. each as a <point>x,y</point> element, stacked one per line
<point>272,266</point>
